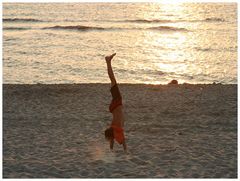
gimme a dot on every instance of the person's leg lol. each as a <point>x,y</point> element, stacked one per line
<point>116,95</point>
<point>109,69</point>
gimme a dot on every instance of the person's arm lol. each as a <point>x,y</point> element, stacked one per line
<point>111,144</point>
<point>124,146</point>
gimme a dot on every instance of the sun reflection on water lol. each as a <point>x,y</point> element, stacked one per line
<point>155,42</point>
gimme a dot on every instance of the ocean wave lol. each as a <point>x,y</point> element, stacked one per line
<point>148,21</point>
<point>93,28</point>
<point>21,20</point>
<point>203,49</point>
<point>141,71</point>
<point>16,28</point>
<point>154,72</point>
<point>77,27</point>
<point>212,19</point>
<point>90,28</point>
<point>167,28</point>
<point>230,49</point>
<point>215,19</point>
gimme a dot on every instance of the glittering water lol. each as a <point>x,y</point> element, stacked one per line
<point>155,43</point>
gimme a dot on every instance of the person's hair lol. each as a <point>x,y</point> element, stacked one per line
<point>109,133</point>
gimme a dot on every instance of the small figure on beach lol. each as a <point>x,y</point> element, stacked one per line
<point>173,82</point>
<point>115,131</point>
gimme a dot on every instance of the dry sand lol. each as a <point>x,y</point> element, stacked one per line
<point>172,131</point>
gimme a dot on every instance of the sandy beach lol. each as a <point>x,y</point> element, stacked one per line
<point>172,131</point>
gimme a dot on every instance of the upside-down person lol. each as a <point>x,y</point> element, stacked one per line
<point>115,131</point>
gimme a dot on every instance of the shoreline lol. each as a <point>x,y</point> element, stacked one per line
<point>122,84</point>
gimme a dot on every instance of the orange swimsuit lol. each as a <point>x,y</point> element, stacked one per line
<point>118,134</point>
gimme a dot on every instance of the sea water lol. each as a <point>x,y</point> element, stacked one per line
<point>53,43</point>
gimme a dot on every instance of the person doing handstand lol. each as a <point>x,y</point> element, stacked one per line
<point>115,131</point>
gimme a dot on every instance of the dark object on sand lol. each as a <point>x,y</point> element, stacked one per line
<point>214,83</point>
<point>173,82</point>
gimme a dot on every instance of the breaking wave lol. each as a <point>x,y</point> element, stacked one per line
<point>78,27</point>
<point>148,21</point>
<point>167,28</point>
<point>89,28</point>
<point>215,19</point>
<point>211,19</point>
<point>21,20</point>
<point>16,28</point>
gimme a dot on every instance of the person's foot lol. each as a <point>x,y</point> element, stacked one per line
<point>109,58</point>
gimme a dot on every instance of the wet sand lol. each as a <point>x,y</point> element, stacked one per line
<point>172,131</point>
